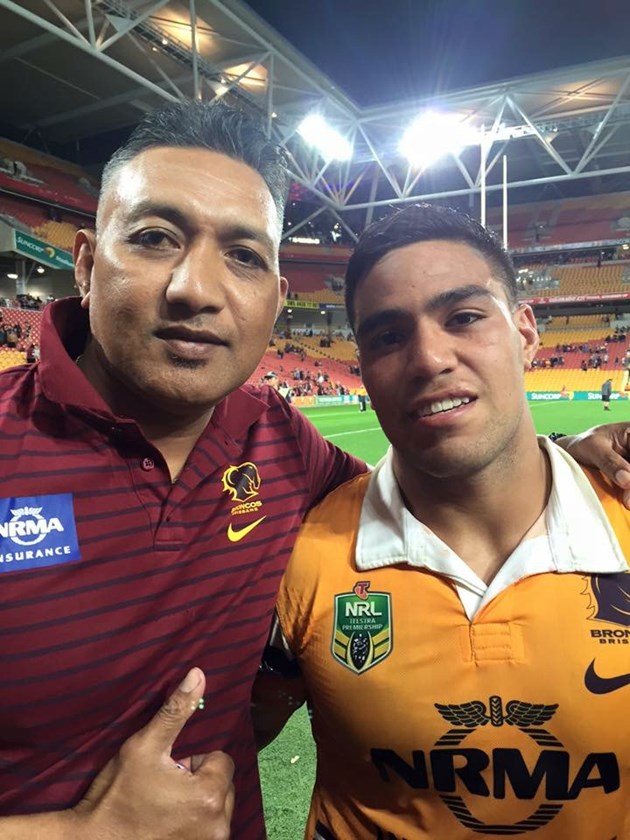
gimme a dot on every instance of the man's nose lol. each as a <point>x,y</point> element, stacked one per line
<point>198,279</point>
<point>431,352</point>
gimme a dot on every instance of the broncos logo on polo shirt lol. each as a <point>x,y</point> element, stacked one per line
<point>242,482</point>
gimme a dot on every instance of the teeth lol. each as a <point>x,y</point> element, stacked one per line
<point>444,405</point>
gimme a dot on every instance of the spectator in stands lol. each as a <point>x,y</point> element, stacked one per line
<point>271,379</point>
<point>12,338</point>
<point>606,394</point>
<point>423,603</point>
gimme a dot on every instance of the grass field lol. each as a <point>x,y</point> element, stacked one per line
<point>287,765</point>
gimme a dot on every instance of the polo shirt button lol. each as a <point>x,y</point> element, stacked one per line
<point>148,464</point>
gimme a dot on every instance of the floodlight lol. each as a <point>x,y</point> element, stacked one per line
<point>434,134</point>
<point>327,140</point>
<point>12,276</point>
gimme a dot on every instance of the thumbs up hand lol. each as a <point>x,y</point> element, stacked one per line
<point>143,794</point>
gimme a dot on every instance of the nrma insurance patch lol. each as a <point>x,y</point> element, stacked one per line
<point>37,531</point>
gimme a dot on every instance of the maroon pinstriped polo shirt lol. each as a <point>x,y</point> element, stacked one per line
<point>114,582</point>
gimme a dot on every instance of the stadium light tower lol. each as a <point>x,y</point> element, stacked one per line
<point>329,142</point>
<point>435,134</point>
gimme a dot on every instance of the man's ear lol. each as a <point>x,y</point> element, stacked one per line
<point>530,340</point>
<point>284,288</point>
<point>83,254</point>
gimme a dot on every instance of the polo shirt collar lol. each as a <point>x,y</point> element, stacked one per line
<point>579,535</point>
<point>63,336</point>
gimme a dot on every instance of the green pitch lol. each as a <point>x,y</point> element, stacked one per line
<point>287,766</point>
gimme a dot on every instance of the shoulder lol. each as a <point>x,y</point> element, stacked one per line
<point>16,380</point>
<point>274,402</point>
<point>611,499</point>
<point>341,502</point>
<point>330,527</point>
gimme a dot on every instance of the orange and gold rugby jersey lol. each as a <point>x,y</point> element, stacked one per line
<point>431,725</point>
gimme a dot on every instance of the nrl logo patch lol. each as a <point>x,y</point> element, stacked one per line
<point>362,633</point>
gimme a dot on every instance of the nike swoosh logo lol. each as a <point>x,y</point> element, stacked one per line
<point>236,536</point>
<point>603,685</point>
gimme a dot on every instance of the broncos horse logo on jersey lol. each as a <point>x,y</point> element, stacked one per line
<point>242,482</point>
<point>611,594</point>
<point>610,600</point>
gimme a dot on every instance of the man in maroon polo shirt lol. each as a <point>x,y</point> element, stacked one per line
<point>150,500</point>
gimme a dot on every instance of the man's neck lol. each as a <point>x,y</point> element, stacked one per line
<point>174,434</point>
<point>483,517</point>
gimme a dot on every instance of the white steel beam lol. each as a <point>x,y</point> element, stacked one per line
<point>545,143</point>
<point>530,182</point>
<point>131,24</point>
<point>598,131</point>
<point>84,45</point>
<point>290,231</point>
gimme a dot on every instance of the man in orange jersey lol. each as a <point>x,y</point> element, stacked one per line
<point>459,620</point>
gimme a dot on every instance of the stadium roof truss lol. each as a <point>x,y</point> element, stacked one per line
<point>75,68</point>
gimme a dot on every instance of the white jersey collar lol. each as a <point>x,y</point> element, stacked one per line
<point>578,536</point>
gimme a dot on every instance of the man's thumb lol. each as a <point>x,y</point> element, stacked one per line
<point>169,720</point>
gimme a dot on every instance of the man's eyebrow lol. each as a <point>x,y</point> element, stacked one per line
<point>458,295</point>
<point>450,297</point>
<point>177,217</point>
<point>163,211</point>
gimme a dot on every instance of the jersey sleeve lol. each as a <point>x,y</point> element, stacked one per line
<point>278,657</point>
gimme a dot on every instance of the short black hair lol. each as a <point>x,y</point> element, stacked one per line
<point>423,223</point>
<point>215,126</point>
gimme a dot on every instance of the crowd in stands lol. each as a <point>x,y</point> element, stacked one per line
<point>19,336</point>
<point>14,336</point>
<point>593,355</point>
<point>307,374</point>
<point>25,302</point>
<point>303,383</point>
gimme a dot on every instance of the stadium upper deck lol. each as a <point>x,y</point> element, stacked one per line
<point>80,73</point>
